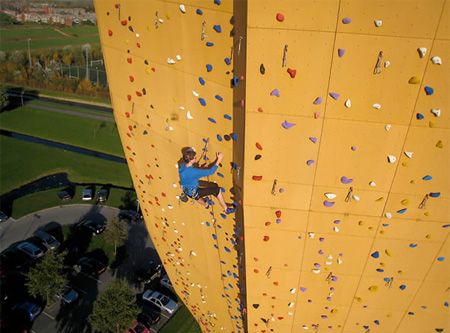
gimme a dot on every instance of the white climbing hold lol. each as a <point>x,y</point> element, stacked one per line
<point>330,257</point>
<point>290,313</point>
<point>161,21</point>
<point>409,154</point>
<point>388,127</point>
<point>188,115</point>
<point>170,206</point>
<point>378,23</point>
<point>178,57</point>
<point>356,197</point>
<point>436,112</point>
<point>436,60</point>
<point>422,51</point>
<point>339,261</point>
<point>195,93</point>
<point>328,263</point>
<point>388,215</point>
<point>348,103</point>
<point>372,184</point>
<point>293,290</point>
<point>181,108</point>
<point>137,35</point>
<point>376,106</point>
<point>183,9</point>
<point>174,185</point>
<point>392,158</point>
<point>291,304</point>
<point>330,196</point>
<point>311,234</point>
<point>336,229</point>
<point>305,327</point>
<point>170,61</point>
<point>316,271</point>
<point>387,63</point>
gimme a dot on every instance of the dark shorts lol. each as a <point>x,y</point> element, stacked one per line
<point>205,191</point>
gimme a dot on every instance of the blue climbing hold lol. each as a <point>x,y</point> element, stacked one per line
<point>214,236</point>
<point>234,136</point>
<point>216,246</point>
<point>227,117</point>
<point>235,81</point>
<point>202,101</point>
<point>218,28</point>
<point>402,287</point>
<point>446,226</point>
<point>386,279</point>
<point>385,225</point>
<point>223,216</point>
<point>446,304</point>
<point>204,140</point>
<point>427,177</point>
<point>429,90</point>
<point>212,120</point>
<point>209,68</point>
<point>199,12</point>
<point>209,44</point>
<point>375,255</point>
<point>441,258</point>
<point>412,245</point>
<point>227,61</point>
<point>208,224</point>
<point>217,2</point>
<point>366,327</point>
<point>419,116</point>
<point>377,322</point>
<point>219,138</point>
<point>401,211</point>
<point>220,175</point>
<point>218,97</point>
<point>227,249</point>
<point>379,270</point>
<point>435,194</point>
<point>202,82</point>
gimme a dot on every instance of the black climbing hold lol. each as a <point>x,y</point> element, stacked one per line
<point>145,133</point>
<point>129,18</point>
<point>144,91</point>
<point>256,306</point>
<point>227,137</point>
<point>232,32</point>
<point>257,157</point>
<point>146,62</point>
<point>232,20</point>
<point>130,28</point>
<point>262,69</point>
<point>151,105</point>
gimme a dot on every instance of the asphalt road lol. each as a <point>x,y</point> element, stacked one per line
<point>72,318</point>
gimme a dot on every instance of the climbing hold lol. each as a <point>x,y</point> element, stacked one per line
<point>257,157</point>
<point>202,101</point>
<point>110,33</point>
<point>275,92</point>
<point>346,20</point>
<point>315,271</point>
<point>412,245</point>
<point>199,12</point>
<point>262,69</point>
<point>436,60</point>
<point>414,80</point>
<point>435,194</point>
<point>387,127</point>
<point>373,289</point>
<point>408,154</point>
<point>310,162</point>
<point>258,146</point>
<point>212,120</point>
<point>335,96</point>
<point>318,101</point>
<point>124,22</point>
<point>256,306</point>
<point>130,60</point>
<point>280,17</point>
<point>170,61</point>
<point>257,177</point>
<point>375,255</point>
<point>429,90</point>
<point>341,53</point>
<point>266,238</point>
<point>436,112</point>
<point>227,61</point>
<point>287,125</point>
<point>278,213</point>
<point>431,124</point>
<point>227,116</point>
<point>235,81</point>
<point>217,2</point>
<point>316,115</point>
<point>183,9</point>
<point>209,44</point>
<point>386,64</point>
<point>209,68</point>
<point>217,28</point>
<point>330,196</point>
<point>168,15</point>
<point>388,252</point>
<point>441,258</point>
<point>201,80</point>
<point>234,136</point>
<point>439,144</point>
<point>391,158</point>
<point>376,106</point>
<point>292,72</point>
<point>345,180</point>
<point>188,115</point>
<point>427,177</point>
<point>378,23</point>
<point>422,51</point>
<point>405,202</point>
<point>419,116</point>
<point>356,197</point>
<point>327,203</point>
<point>314,140</point>
<point>401,211</point>
<point>348,103</point>
<point>219,137</point>
<point>372,184</point>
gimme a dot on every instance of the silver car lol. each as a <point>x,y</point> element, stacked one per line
<point>165,282</point>
<point>160,300</point>
<point>30,250</point>
<point>47,240</point>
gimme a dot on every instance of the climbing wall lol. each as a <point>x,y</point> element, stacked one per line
<point>334,120</point>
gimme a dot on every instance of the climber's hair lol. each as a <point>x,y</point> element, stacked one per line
<point>189,155</point>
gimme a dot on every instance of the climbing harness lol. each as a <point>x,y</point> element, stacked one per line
<point>377,69</point>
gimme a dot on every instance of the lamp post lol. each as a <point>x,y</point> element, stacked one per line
<point>29,53</point>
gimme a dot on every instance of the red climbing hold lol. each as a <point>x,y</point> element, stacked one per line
<point>130,60</point>
<point>131,79</point>
<point>280,17</point>
<point>129,97</point>
<point>127,114</point>
<point>110,32</point>
<point>292,72</point>
<point>257,177</point>
<point>275,283</point>
<point>258,146</point>
<point>153,69</point>
<point>124,22</point>
<point>278,213</point>
<point>130,128</point>
<point>266,238</point>
<point>267,224</point>
<point>256,271</point>
<point>138,45</point>
<point>260,109</point>
<point>138,93</point>
<point>117,5</point>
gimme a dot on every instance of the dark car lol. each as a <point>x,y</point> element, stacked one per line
<point>64,195</point>
<point>148,272</point>
<point>102,195</point>
<point>96,227</point>
<point>148,316</point>
<point>91,266</point>
<point>3,217</point>
<point>129,215</point>
<point>27,310</point>
<point>12,261</point>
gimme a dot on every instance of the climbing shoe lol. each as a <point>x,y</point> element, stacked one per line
<point>230,210</point>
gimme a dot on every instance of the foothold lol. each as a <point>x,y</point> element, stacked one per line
<point>419,116</point>
<point>435,194</point>
<point>212,120</point>
<point>408,154</point>
<point>345,180</point>
<point>287,125</point>
<point>375,255</point>
<point>318,101</point>
<point>335,96</point>
<point>348,103</point>
<point>376,106</point>
<point>401,211</point>
<point>405,202</point>
<point>346,20</point>
<point>292,72</point>
<point>209,68</point>
<point>436,112</point>
<point>414,80</point>
<point>327,203</point>
<point>275,92</point>
<point>391,158</point>
<point>373,289</point>
<point>262,69</point>
<point>436,60</point>
<point>429,90</point>
<point>427,177</point>
<point>217,28</point>
<point>341,53</point>
<point>439,144</point>
<point>310,162</point>
<point>314,140</point>
<point>388,252</point>
<point>227,61</point>
<point>280,17</point>
<point>201,80</point>
<point>202,101</point>
<point>209,44</point>
<point>422,51</point>
<point>378,23</point>
<point>218,97</point>
<point>183,9</point>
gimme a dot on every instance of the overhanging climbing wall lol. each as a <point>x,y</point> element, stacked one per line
<point>334,120</point>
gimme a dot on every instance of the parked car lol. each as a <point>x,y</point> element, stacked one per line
<point>96,227</point>
<point>30,250</point>
<point>165,282</point>
<point>64,195</point>
<point>13,261</point>
<point>148,272</point>
<point>148,316</point>
<point>129,215</point>
<point>138,328</point>
<point>86,195</point>
<point>3,217</point>
<point>102,195</point>
<point>47,240</point>
<point>27,310</point>
<point>160,300</point>
<point>67,295</point>
<point>91,266</point>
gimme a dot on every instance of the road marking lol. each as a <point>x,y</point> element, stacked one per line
<point>166,316</point>
<point>48,315</point>
<point>91,277</point>
<point>152,330</point>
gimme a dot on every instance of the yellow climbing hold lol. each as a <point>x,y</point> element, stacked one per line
<point>389,315</point>
<point>127,41</point>
<point>405,164</point>
<point>426,213</point>
<point>431,124</point>
<point>370,228</point>
<point>168,16</point>
<point>149,28</point>
<point>382,264</point>
<point>382,232</point>
<point>175,99</point>
<point>388,252</point>
<point>373,289</point>
<point>400,272</point>
<point>361,222</point>
<point>147,70</point>
<point>333,311</point>
<point>414,80</point>
<point>405,202</point>
<point>428,236</point>
<point>379,199</point>
<point>359,299</point>
<point>439,144</point>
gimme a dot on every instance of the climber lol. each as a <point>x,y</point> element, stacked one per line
<point>190,176</point>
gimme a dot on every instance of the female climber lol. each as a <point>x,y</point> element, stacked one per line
<point>190,176</point>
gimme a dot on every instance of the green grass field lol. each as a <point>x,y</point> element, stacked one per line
<point>81,30</point>
<point>181,322</point>
<point>98,135</point>
<point>13,33</point>
<point>23,162</point>
<point>59,42</point>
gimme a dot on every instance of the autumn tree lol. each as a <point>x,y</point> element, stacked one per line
<point>116,232</point>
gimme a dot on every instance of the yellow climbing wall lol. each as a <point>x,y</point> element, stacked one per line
<point>334,120</point>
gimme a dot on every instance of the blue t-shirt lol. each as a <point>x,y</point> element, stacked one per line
<point>189,177</point>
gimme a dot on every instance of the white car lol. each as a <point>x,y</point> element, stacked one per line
<point>87,194</point>
<point>165,282</point>
<point>30,250</point>
<point>161,301</point>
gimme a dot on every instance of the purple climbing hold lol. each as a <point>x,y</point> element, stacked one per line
<point>353,148</point>
<point>327,203</point>
<point>218,28</point>
<point>419,116</point>
<point>303,289</point>
<point>321,239</point>
<point>227,117</point>
<point>376,254</point>
<point>309,162</point>
<point>346,20</point>
<point>227,61</point>
<point>218,97</point>
<point>219,137</point>
<point>212,120</point>
<point>337,221</point>
<point>320,252</point>
<point>278,221</point>
<point>313,139</point>
<point>202,101</point>
<point>318,101</point>
<point>345,180</point>
<point>209,68</point>
<point>335,96</point>
<point>209,44</point>
<point>275,92</point>
<point>199,12</point>
<point>435,194</point>
<point>287,125</point>
<point>401,211</point>
<point>316,265</point>
<point>429,90</point>
<point>334,278</point>
<point>281,190</point>
<point>341,52</point>
<point>201,80</point>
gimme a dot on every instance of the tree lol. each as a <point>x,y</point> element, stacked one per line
<point>116,232</point>
<point>114,310</point>
<point>47,277</point>
<point>4,101</point>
